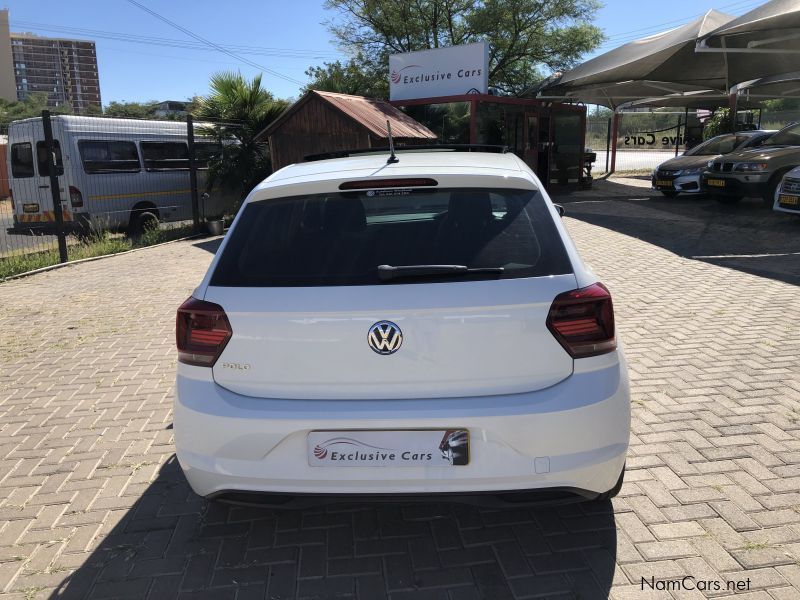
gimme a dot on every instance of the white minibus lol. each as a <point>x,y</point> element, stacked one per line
<point>114,173</point>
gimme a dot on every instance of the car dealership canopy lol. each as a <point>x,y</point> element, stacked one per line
<point>708,57</point>
<point>750,94</point>
<point>760,43</point>
<point>785,85</point>
<point>706,99</point>
<point>665,62</point>
<point>622,93</point>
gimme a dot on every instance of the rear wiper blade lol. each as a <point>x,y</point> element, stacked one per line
<point>387,272</point>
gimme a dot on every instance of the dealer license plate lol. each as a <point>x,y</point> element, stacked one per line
<point>664,183</point>
<point>716,182</point>
<point>389,448</point>
<point>787,200</point>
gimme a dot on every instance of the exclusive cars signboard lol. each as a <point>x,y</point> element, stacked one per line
<point>439,72</point>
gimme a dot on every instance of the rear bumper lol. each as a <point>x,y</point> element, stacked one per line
<point>493,499</point>
<point>77,221</point>
<point>572,436</point>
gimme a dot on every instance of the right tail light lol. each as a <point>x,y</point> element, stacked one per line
<point>75,197</point>
<point>202,330</point>
<point>583,321</point>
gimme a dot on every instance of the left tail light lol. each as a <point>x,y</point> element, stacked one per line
<point>75,197</point>
<point>202,331</point>
<point>583,321</point>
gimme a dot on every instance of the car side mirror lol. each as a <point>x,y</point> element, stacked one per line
<point>560,210</point>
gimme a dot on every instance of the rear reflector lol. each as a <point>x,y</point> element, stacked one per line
<point>202,331</point>
<point>583,321</point>
<point>376,184</point>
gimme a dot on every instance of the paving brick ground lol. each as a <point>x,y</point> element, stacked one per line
<point>93,505</point>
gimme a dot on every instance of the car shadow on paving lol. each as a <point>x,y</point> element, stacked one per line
<point>746,237</point>
<point>173,544</point>
<point>211,245</point>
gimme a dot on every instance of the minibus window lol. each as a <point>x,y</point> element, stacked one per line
<point>101,156</point>
<point>204,152</point>
<point>163,156</point>
<point>44,163</point>
<point>21,160</point>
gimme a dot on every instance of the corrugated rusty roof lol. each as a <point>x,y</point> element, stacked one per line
<point>373,115</point>
<point>368,112</point>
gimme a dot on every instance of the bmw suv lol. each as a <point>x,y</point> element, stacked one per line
<point>682,173</point>
<point>754,172</point>
<point>424,326</point>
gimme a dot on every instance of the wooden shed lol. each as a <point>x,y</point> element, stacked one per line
<point>326,122</point>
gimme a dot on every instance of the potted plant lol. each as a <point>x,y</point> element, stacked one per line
<point>215,225</point>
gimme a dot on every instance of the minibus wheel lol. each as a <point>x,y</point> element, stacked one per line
<point>141,221</point>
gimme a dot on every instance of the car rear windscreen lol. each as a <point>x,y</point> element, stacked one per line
<point>341,238</point>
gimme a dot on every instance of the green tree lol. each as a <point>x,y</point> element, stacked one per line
<point>193,104</point>
<point>526,37</point>
<point>131,110</point>
<point>147,110</point>
<point>780,104</point>
<point>718,123</point>
<point>356,76</point>
<point>600,112</point>
<point>31,106</point>
<point>237,110</point>
<point>92,110</point>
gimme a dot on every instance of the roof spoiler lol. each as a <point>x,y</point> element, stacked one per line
<point>449,147</point>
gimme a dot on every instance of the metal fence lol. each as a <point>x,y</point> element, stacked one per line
<point>82,186</point>
<point>598,138</point>
<point>775,119</point>
<point>644,140</point>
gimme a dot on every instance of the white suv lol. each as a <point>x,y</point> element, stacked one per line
<point>377,328</point>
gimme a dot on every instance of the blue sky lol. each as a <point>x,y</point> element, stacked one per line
<point>285,36</point>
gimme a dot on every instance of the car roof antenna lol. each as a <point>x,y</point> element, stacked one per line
<point>392,158</point>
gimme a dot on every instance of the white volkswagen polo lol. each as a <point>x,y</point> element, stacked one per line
<point>419,327</point>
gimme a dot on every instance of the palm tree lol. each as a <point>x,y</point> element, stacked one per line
<point>236,110</point>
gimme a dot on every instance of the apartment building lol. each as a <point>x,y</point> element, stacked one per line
<point>66,70</point>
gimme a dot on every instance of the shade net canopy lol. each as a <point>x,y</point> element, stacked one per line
<point>760,43</point>
<point>708,99</point>
<point>668,57</point>
<point>784,85</point>
<point>615,95</point>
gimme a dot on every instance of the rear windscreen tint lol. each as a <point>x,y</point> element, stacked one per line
<point>341,238</point>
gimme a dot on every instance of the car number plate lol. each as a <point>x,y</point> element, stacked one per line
<point>388,448</point>
<point>664,183</point>
<point>787,200</point>
<point>716,182</point>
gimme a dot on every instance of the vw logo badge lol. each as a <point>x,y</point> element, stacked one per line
<point>385,337</point>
